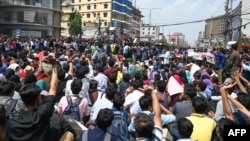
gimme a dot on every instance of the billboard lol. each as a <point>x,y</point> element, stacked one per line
<point>29,16</point>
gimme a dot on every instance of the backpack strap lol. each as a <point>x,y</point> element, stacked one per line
<point>69,100</point>
<point>107,137</point>
<point>85,136</point>
<point>78,101</point>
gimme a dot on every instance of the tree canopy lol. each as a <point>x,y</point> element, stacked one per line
<point>75,24</point>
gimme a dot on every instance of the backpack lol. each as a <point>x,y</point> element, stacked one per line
<point>119,127</point>
<point>163,76</point>
<point>73,109</point>
<point>85,136</point>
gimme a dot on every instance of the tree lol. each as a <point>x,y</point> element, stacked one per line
<point>75,24</point>
<point>164,42</point>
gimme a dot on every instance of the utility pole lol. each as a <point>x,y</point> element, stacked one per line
<point>226,23</point>
<point>150,11</point>
<point>99,24</point>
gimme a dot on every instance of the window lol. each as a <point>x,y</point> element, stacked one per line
<point>72,8</point>
<point>73,1</point>
<point>143,28</point>
<point>105,14</point>
<point>148,33</point>
<point>142,32</point>
<point>94,14</point>
<point>153,33</point>
<point>105,23</point>
<point>79,7</point>
<point>67,24</point>
<point>154,28</point>
<point>89,0</point>
<point>79,0</point>
<point>94,6</point>
<point>88,7</point>
<point>105,6</point>
<point>84,24</point>
<point>88,15</point>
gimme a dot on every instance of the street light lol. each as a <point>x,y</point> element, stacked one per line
<point>150,11</point>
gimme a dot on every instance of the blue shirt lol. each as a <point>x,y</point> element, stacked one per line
<point>3,68</point>
<point>164,118</point>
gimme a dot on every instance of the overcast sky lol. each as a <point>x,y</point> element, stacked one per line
<point>176,11</point>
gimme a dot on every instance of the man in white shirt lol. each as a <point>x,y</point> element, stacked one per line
<point>132,96</point>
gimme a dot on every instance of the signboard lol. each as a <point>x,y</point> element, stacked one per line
<point>34,34</point>
<point>18,32</point>
<point>29,16</point>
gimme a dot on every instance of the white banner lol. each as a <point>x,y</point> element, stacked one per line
<point>29,16</point>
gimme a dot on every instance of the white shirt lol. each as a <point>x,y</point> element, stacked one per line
<point>132,101</point>
<point>98,105</point>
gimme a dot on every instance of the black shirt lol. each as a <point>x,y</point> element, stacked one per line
<point>32,125</point>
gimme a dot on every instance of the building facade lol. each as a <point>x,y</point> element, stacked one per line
<point>98,13</point>
<point>245,16</point>
<point>149,32</point>
<point>136,20</point>
<point>214,28</point>
<point>177,39</point>
<point>30,18</point>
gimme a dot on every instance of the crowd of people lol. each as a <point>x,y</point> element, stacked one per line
<point>105,81</point>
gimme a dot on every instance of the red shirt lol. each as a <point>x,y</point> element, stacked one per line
<point>110,70</point>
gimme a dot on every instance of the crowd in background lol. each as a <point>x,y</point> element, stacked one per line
<point>152,86</point>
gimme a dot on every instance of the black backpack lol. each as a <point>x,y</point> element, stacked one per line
<point>73,109</point>
<point>119,127</point>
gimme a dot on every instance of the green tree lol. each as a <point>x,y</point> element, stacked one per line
<point>164,42</point>
<point>75,24</point>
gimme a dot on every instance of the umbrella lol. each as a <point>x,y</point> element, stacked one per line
<point>161,56</point>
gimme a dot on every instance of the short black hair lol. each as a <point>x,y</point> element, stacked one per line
<point>6,88</point>
<point>61,73</point>
<point>30,78</point>
<point>161,85</point>
<point>81,71</point>
<point>29,94</point>
<point>110,92</point>
<point>104,118</point>
<point>145,101</point>
<point>111,62</point>
<point>126,77</point>
<point>76,86</point>
<point>189,90</point>
<point>199,104</point>
<point>185,127</point>
<point>135,84</point>
<point>112,77</point>
<point>202,85</point>
<point>144,125</point>
<point>118,100</point>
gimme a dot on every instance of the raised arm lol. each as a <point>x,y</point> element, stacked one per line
<point>236,77</point>
<point>157,110</point>
<point>239,106</point>
<point>54,81</point>
<point>225,103</point>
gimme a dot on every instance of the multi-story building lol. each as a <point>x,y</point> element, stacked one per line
<point>98,13</point>
<point>149,32</point>
<point>177,39</point>
<point>214,28</point>
<point>136,20</point>
<point>245,16</point>
<point>26,18</point>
